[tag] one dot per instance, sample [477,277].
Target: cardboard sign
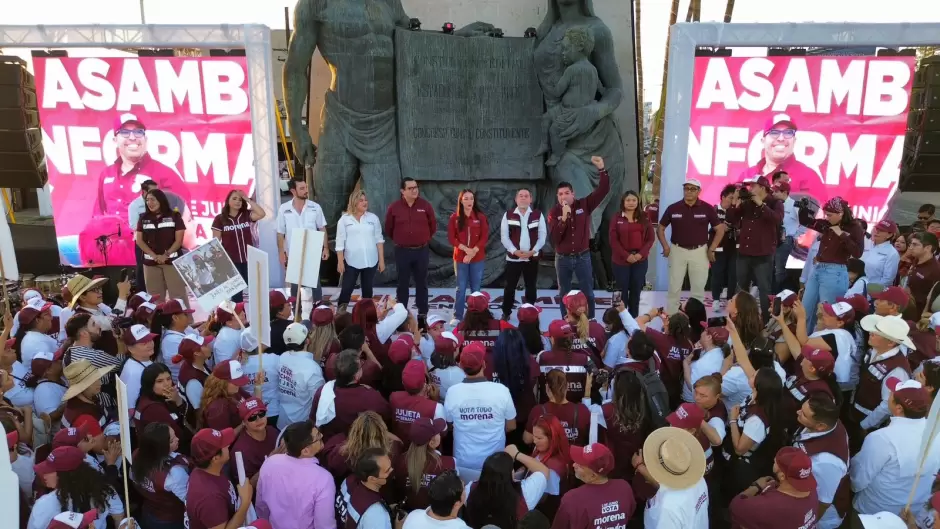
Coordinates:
[304,257]
[209,273]
[258,309]
[124,419]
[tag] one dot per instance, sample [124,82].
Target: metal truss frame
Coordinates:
[686,37]
[254,38]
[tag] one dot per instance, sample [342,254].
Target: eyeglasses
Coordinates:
[689,189]
[137,133]
[258,416]
[786,133]
[411,188]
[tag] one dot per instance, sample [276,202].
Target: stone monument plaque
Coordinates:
[469,108]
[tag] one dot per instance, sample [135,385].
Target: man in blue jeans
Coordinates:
[569,224]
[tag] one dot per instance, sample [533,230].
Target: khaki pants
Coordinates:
[695,262]
[161,278]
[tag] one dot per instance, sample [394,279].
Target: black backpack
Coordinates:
[657,398]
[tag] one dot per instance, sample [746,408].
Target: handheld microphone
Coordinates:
[119,230]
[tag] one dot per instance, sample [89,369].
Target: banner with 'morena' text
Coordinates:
[111,124]
[834,124]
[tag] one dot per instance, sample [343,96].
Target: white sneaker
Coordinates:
[716,306]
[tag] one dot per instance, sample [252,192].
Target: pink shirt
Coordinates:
[296,494]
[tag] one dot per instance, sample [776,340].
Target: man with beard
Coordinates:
[299,213]
[779,142]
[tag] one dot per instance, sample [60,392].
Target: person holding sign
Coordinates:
[360,247]
[160,234]
[233,228]
[299,213]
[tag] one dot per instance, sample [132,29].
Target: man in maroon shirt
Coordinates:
[211,500]
[569,225]
[350,398]
[410,223]
[778,143]
[786,500]
[925,271]
[690,250]
[759,217]
[602,502]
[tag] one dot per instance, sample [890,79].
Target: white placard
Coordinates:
[209,273]
[258,310]
[240,467]
[123,407]
[9,485]
[10,270]
[310,261]
[592,435]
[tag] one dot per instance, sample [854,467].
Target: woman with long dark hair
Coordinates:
[550,447]
[530,327]
[576,365]
[496,498]
[516,369]
[480,325]
[698,317]
[160,233]
[631,238]
[468,232]
[160,402]
[673,346]
[757,431]
[574,416]
[75,486]
[161,476]
[379,324]
[627,422]
[233,228]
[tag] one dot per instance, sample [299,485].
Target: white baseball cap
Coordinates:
[693,182]
[295,334]
[247,341]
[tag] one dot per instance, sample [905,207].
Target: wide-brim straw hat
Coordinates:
[891,328]
[81,375]
[80,284]
[674,458]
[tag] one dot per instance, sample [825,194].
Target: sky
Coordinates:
[655,17]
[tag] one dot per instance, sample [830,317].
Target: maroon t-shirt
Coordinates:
[419,499]
[920,279]
[605,506]
[623,443]
[672,353]
[574,417]
[371,373]
[159,232]
[211,500]
[774,510]
[690,224]
[234,233]
[75,408]
[573,364]
[222,414]
[253,451]
[410,226]
[408,408]
[594,345]
[350,402]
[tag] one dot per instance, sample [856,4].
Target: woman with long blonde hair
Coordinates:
[322,340]
[360,247]
[367,431]
[422,462]
[590,336]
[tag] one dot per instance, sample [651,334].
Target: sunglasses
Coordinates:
[127,133]
[258,416]
[786,133]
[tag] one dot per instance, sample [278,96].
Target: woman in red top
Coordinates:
[627,422]
[631,238]
[481,326]
[551,449]
[221,397]
[233,228]
[468,231]
[160,233]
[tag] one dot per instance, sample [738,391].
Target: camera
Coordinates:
[802,203]
[745,194]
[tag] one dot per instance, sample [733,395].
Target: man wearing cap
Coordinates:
[601,502]
[339,402]
[180,318]
[883,472]
[294,491]
[824,439]
[786,499]
[673,460]
[256,441]
[281,316]
[779,142]
[690,417]
[925,272]
[299,377]
[759,216]
[481,413]
[882,362]
[268,392]
[414,401]
[211,500]
[304,214]
[882,259]
[523,234]
[139,342]
[690,250]
[225,347]
[569,224]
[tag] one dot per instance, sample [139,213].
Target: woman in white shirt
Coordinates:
[139,342]
[360,247]
[75,486]
[497,498]
[172,322]
[619,325]
[704,361]
[19,395]
[32,335]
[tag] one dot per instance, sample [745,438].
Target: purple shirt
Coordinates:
[296,494]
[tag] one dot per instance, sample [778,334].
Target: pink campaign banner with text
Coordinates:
[110,124]
[849,116]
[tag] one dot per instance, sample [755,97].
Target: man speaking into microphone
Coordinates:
[570,228]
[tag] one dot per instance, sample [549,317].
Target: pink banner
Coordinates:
[848,115]
[110,124]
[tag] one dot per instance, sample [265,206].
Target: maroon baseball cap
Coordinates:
[138,334]
[529,313]
[231,371]
[763,182]
[781,119]
[821,359]
[189,346]
[258,524]
[277,299]
[594,456]
[575,300]
[472,356]
[141,297]
[70,436]
[687,416]
[61,459]
[223,316]
[414,375]
[909,393]
[446,344]
[209,442]
[249,407]
[423,429]
[896,295]
[478,302]
[719,335]
[797,467]
[74,520]
[321,315]
[887,226]
[859,304]
[175,306]
[560,329]
[787,297]
[400,350]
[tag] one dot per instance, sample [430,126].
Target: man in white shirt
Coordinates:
[883,472]
[481,413]
[523,233]
[826,442]
[299,377]
[674,459]
[304,214]
[882,259]
[446,496]
[226,344]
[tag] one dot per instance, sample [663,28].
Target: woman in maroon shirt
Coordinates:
[415,469]
[590,336]
[627,423]
[221,397]
[672,347]
[467,231]
[160,233]
[81,398]
[256,441]
[481,326]
[551,449]
[233,228]
[160,402]
[155,458]
[574,417]
[631,238]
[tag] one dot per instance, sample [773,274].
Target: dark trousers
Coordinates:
[529,271]
[578,265]
[631,279]
[758,269]
[413,262]
[781,279]
[724,273]
[349,282]
[139,274]
[243,271]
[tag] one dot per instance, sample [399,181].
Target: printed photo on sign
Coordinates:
[111,124]
[209,273]
[835,125]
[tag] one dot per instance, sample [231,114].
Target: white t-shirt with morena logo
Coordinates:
[478,411]
[678,509]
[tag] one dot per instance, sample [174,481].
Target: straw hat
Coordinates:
[674,458]
[892,328]
[81,375]
[80,284]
